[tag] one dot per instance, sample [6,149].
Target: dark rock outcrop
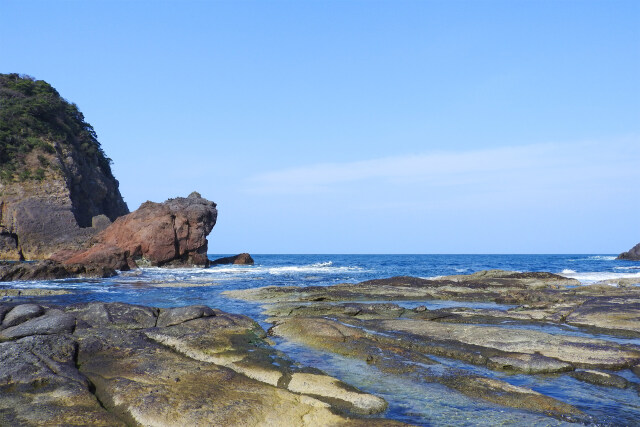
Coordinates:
[114,364]
[173,233]
[47,270]
[54,177]
[632,254]
[240,259]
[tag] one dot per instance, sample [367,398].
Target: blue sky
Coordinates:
[360,126]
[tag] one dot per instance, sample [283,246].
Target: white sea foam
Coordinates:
[636,267]
[567,271]
[220,272]
[587,278]
[602,257]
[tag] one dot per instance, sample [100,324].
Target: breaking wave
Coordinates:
[588,278]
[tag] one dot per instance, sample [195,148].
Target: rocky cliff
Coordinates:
[632,254]
[56,185]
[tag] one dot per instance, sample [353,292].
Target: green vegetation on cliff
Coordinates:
[34,117]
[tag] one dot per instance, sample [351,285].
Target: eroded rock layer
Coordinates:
[112,364]
[547,329]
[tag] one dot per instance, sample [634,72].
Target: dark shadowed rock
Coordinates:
[600,378]
[20,314]
[632,254]
[173,233]
[60,179]
[240,259]
[403,356]
[46,270]
[52,322]
[175,316]
[41,385]
[482,286]
[114,315]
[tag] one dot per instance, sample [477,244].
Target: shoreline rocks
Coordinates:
[121,364]
[545,331]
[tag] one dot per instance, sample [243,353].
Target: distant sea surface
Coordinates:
[146,286]
[420,404]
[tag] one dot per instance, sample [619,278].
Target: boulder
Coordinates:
[21,313]
[632,254]
[173,233]
[600,378]
[52,322]
[240,259]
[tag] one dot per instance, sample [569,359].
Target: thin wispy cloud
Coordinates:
[528,166]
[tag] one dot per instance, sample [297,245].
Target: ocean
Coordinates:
[420,404]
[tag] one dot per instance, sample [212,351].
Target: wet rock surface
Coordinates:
[47,270]
[551,328]
[113,364]
[489,285]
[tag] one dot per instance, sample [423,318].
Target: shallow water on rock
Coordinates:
[417,403]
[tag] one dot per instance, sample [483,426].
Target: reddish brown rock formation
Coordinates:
[241,259]
[173,233]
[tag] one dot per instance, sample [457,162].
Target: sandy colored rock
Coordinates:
[119,364]
[329,387]
[395,355]
[32,292]
[578,351]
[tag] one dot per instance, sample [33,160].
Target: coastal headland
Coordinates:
[111,363]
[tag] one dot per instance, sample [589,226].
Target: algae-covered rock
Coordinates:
[397,355]
[601,378]
[112,364]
